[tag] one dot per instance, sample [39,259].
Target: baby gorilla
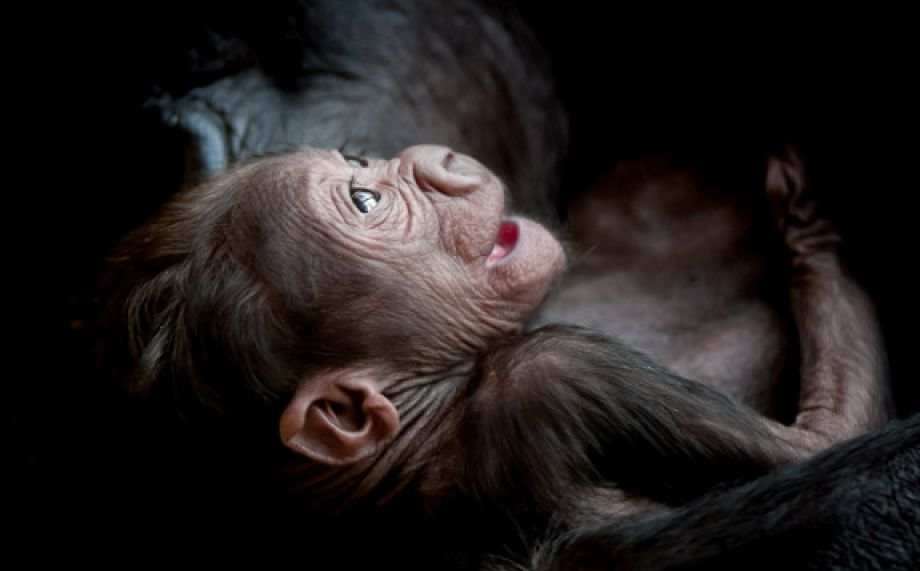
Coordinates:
[378,309]
[420,270]
[362,283]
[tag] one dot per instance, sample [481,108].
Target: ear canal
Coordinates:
[349,415]
[338,420]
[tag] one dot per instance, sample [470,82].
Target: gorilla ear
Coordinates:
[339,417]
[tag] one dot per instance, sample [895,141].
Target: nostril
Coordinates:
[442,170]
[460,166]
[447,161]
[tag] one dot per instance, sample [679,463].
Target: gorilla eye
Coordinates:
[366,200]
[357,162]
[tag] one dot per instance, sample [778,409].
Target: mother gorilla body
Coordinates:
[373,312]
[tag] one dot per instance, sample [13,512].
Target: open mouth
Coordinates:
[505,241]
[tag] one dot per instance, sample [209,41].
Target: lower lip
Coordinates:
[507,239]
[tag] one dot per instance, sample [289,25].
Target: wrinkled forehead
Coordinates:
[298,180]
[315,157]
[276,220]
[275,185]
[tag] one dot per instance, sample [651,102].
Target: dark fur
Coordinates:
[587,411]
[374,78]
[856,506]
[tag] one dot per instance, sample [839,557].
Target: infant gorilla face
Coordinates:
[430,227]
[427,270]
[338,277]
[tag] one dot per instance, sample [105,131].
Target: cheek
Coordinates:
[468,224]
[467,239]
[406,225]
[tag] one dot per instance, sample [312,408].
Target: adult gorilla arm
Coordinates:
[855,506]
[602,406]
[844,385]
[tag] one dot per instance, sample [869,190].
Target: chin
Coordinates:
[526,261]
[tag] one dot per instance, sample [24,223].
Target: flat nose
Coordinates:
[439,169]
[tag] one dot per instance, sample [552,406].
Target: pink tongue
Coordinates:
[504,243]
